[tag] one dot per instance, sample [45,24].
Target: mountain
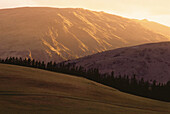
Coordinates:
[60,34]
[148,61]
[30,90]
[156,27]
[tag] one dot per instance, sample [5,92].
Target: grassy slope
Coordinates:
[37,91]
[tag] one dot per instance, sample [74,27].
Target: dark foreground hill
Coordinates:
[28,90]
[60,34]
[148,61]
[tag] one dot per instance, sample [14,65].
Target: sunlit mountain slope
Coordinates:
[156,27]
[61,34]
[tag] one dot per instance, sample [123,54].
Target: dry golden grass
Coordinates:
[28,90]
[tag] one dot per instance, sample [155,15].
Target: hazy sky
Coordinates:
[154,10]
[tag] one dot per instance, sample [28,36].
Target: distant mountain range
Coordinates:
[60,34]
[148,61]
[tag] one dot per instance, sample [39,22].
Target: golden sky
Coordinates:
[154,10]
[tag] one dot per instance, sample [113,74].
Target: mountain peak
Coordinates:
[146,20]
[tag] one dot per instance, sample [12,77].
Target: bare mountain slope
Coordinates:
[61,34]
[156,27]
[150,61]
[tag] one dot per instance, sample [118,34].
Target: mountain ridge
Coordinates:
[149,61]
[156,27]
[54,34]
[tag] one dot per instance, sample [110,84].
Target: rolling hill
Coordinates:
[29,90]
[54,34]
[148,61]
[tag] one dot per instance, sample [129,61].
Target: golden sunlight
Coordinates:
[154,10]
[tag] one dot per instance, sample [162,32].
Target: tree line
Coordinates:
[128,84]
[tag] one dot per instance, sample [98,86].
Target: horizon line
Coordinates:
[123,16]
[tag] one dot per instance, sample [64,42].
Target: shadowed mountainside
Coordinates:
[150,61]
[60,34]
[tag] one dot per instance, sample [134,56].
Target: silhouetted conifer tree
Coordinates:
[123,83]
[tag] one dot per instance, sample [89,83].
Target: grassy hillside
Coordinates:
[36,91]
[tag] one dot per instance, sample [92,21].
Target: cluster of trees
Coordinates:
[123,83]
